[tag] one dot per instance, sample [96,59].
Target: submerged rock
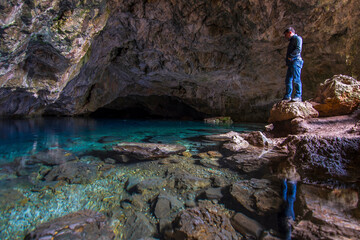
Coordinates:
[144,151]
[52,157]
[84,224]
[137,226]
[283,111]
[246,226]
[337,96]
[73,172]
[203,223]
[257,195]
[182,180]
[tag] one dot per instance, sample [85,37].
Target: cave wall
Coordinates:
[217,57]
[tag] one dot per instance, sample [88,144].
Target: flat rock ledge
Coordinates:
[144,151]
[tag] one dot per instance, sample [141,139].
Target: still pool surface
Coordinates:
[21,137]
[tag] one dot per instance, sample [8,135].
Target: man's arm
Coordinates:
[298,45]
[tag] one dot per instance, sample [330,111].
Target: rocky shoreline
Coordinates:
[232,190]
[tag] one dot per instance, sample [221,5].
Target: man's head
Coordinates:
[289,32]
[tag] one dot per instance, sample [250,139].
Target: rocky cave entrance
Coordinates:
[149,107]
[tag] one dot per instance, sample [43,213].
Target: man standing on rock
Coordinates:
[294,63]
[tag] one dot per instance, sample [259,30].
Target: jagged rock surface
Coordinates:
[338,95]
[171,58]
[284,110]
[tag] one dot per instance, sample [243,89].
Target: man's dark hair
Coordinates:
[289,29]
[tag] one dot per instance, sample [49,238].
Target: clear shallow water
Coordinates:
[27,200]
[22,137]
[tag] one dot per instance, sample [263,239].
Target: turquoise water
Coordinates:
[21,137]
[27,199]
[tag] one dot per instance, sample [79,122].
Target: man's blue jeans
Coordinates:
[293,75]
[288,194]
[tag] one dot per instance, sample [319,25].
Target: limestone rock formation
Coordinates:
[284,110]
[166,58]
[338,95]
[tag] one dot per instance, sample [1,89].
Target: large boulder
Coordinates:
[80,225]
[323,158]
[285,110]
[337,96]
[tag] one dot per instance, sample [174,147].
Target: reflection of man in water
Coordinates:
[289,178]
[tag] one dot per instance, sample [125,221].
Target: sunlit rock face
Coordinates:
[69,57]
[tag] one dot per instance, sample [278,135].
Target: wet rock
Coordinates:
[148,151]
[131,183]
[333,213]
[283,111]
[257,138]
[137,226]
[254,160]
[203,223]
[9,198]
[162,208]
[213,193]
[257,195]
[219,181]
[338,95]
[214,154]
[182,180]
[210,162]
[210,158]
[84,224]
[223,137]
[236,144]
[52,157]
[246,226]
[73,172]
[150,184]
[110,160]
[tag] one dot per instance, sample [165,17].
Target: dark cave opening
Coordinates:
[149,107]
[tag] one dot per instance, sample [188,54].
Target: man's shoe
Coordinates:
[297,99]
[286,99]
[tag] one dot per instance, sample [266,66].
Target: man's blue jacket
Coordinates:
[294,49]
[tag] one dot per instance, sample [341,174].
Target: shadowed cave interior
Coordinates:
[149,107]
